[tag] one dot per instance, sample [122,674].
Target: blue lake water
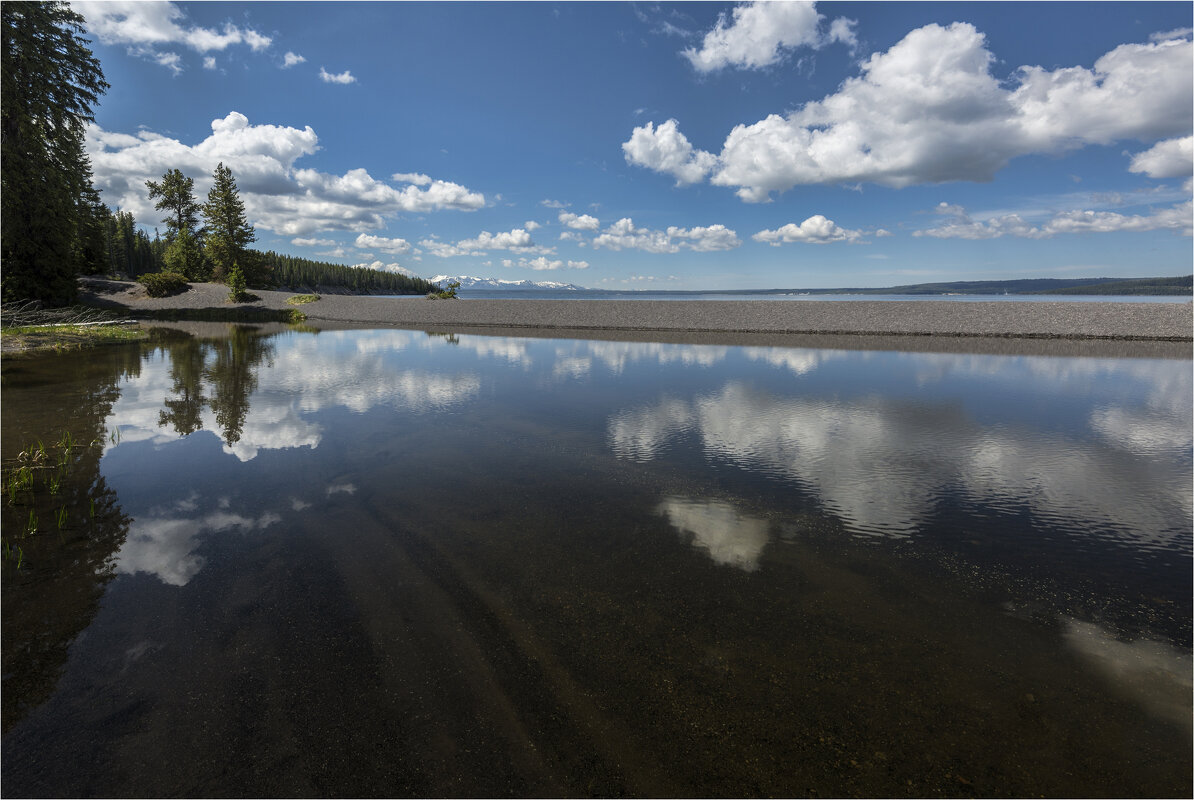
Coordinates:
[400,563]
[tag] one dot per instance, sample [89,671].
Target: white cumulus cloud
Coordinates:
[366,241]
[516,239]
[814,230]
[760,34]
[1172,158]
[961,225]
[146,27]
[579,222]
[277,195]
[665,149]
[341,77]
[624,235]
[543,263]
[1178,218]
[290,59]
[929,110]
[417,178]
[381,266]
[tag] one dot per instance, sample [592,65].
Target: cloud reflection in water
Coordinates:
[1154,674]
[726,535]
[337,369]
[164,546]
[881,464]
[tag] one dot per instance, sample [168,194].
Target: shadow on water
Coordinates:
[56,567]
[394,563]
[62,523]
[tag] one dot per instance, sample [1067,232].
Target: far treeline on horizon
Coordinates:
[962,146]
[1181,285]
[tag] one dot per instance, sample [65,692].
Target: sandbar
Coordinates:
[1028,320]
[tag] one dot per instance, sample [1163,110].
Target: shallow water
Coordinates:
[399,563]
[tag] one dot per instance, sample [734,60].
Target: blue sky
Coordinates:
[669,146]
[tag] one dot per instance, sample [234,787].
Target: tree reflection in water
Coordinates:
[426,566]
[220,373]
[63,568]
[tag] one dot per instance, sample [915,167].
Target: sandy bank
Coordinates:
[1035,320]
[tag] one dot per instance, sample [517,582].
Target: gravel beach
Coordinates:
[1036,320]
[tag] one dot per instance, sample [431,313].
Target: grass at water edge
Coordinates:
[57,338]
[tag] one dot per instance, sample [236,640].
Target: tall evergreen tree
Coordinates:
[184,256]
[122,243]
[49,82]
[175,195]
[228,232]
[90,247]
[128,250]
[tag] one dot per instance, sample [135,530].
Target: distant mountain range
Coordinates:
[469,282]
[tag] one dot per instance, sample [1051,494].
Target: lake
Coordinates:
[408,563]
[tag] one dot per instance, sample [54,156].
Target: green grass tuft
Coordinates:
[33,338]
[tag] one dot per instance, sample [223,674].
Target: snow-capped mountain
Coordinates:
[468,282]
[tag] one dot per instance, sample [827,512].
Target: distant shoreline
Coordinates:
[1006,319]
[1178,286]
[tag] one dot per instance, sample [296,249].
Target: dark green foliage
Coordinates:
[220,374]
[447,293]
[258,273]
[161,284]
[51,218]
[1135,286]
[301,274]
[184,411]
[232,375]
[237,286]
[128,250]
[1028,286]
[184,256]
[175,195]
[228,231]
[90,244]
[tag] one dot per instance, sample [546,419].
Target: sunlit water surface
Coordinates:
[399,563]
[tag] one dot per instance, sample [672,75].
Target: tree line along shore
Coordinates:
[56,228]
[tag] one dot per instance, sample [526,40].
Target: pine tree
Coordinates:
[49,82]
[144,257]
[184,257]
[229,233]
[90,247]
[158,249]
[122,244]
[175,195]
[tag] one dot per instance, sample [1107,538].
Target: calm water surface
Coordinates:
[399,563]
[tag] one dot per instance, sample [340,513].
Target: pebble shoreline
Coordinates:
[1034,320]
